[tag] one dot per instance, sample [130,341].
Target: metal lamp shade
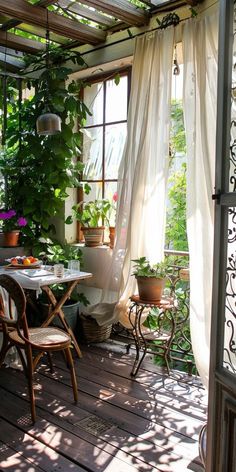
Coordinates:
[48,124]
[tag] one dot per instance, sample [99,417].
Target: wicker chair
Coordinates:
[17,333]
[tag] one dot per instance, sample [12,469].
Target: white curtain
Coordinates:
[140,225]
[200,99]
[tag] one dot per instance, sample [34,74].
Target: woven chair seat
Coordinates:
[43,336]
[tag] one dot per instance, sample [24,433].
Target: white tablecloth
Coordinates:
[35,283]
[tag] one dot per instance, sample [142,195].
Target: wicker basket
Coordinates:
[93,333]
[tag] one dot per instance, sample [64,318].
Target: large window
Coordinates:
[104,134]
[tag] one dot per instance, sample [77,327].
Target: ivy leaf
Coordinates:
[69,220]
[117,79]
[193,12]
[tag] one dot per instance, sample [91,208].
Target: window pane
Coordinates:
[95,192]
[115,136]
[116,100]
[92,153]
[93,99]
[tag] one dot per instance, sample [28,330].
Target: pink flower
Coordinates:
[22,221]
[115,197]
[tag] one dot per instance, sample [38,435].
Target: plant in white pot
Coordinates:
[151,279]
[91,216]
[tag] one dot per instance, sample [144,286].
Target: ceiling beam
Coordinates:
[87,13]
[121,9]
[35,15]
[20,44]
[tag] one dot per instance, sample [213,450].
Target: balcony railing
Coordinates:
[179,287]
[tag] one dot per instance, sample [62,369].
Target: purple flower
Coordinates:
[22,221]
[11,213]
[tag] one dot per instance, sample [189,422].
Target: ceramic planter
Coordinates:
[93,236]
[10,238]
[150,288]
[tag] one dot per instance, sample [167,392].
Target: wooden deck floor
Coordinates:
[119,424]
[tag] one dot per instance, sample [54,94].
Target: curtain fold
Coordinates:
[200,100]
[140,225]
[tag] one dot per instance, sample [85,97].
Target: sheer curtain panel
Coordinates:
[200,99]
[140,225]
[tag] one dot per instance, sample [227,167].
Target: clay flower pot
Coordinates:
[150,288]
[10,238]
[93,236]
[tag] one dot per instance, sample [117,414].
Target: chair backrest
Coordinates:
[12,304]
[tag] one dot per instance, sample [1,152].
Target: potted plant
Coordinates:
[91,216]
[151,279]
[11,225]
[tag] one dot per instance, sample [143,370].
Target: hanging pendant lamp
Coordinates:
[48,123]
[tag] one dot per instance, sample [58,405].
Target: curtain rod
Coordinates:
[132,36]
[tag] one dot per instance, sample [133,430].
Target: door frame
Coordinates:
[221,383]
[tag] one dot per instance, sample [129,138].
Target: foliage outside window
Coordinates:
[176,232]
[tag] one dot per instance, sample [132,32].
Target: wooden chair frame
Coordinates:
[17,333]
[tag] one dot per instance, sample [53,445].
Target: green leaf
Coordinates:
[117,79]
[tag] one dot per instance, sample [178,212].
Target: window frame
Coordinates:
[104,79]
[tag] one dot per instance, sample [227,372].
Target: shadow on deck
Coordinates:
[120,424]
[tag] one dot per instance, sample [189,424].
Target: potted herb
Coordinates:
[91,216]
[151,279]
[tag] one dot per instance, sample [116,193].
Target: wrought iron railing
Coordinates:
[179,287]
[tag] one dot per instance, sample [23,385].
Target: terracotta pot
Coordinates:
[10,238]
[93,236]
[112,230]
[150,288]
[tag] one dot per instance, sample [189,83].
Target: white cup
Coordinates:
[74,266]
[58,270]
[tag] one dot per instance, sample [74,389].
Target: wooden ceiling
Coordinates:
[71,23]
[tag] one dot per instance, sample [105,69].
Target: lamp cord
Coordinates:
[47,63]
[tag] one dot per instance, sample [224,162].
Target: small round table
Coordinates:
[144,338]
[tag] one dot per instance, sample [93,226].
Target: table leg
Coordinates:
[57,310]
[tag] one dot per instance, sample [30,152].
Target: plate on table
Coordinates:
[18,263]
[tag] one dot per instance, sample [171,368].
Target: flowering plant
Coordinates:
[10,221]
[111,216]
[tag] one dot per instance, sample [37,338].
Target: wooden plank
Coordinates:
[19,43]
[23,11]
[110,441]
[149,373]
[13,461]
[86,13]
[41,32]
[121,9]
[167,393]
[32,451]
[81,452]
